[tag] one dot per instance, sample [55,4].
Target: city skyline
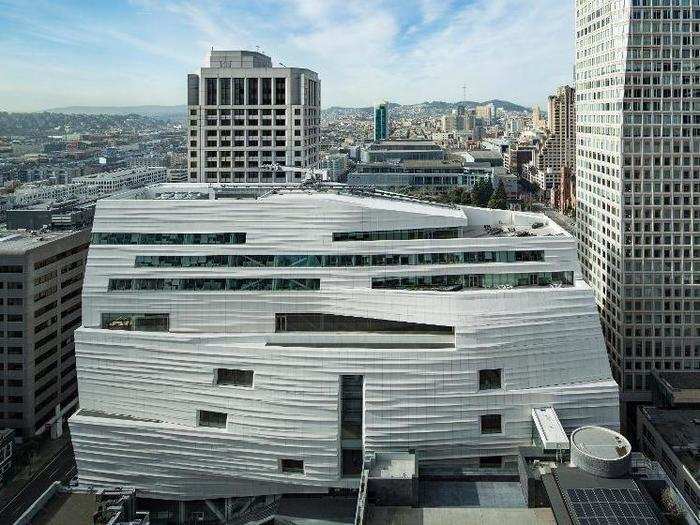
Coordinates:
[364,52]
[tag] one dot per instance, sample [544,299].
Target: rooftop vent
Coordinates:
[600,451]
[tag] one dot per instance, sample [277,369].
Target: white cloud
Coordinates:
[364,50]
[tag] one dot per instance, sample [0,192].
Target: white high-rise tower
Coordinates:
[638,182]
[245,115]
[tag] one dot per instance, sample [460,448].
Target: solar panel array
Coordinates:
[610,507]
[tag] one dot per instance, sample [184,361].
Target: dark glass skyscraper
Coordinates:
[381,121]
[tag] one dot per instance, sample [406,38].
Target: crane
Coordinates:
[311,174]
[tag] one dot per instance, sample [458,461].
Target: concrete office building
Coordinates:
[41,279]
[381,121]
[88,187]
[238,346]
[558,148]
[401,150]
[245,114]
[410,173]
[638,183]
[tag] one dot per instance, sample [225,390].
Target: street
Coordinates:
[60,468]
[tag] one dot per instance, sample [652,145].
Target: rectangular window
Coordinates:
[280,84]
[235,377]
[212,419]
[168,238]
[225,91]
[491,462]
[211,91]
[292,466]
[215,285]
[252,91]
[313,322]
[491,424]
[138,322]
[238,92]
[267,91]
[490,379]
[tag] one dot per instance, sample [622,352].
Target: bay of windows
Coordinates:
[335,261]
[455,283]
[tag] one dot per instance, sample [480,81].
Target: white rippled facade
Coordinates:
[141,392]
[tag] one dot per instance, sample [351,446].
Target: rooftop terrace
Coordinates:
[478,222]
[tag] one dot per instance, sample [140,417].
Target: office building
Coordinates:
[41,280]
[88,187]
[558,148]
[381,121]
[409,173]
[401,150]
[671,437]
[245,114]
[638,183]
[486,113]
[239,346]
[517,156]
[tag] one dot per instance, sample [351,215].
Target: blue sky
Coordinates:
[113,52]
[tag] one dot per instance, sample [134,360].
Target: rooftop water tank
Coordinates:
[600,451]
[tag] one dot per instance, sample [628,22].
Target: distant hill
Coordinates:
[436,107]
[146,111]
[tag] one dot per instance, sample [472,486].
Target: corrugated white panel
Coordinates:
[547,341]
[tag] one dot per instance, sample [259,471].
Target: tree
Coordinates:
[499,198]
[481,193]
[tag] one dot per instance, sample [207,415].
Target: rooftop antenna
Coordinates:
[281,64]
[257,48]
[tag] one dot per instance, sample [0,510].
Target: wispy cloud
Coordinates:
[364,50]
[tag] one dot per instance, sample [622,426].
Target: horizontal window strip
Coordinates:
[400,235]
[334,261]
[455,283]
[213,285]
[169,238]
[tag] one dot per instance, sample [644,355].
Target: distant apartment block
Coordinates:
[558,149]
[245,114]
[88,187]
[41,282]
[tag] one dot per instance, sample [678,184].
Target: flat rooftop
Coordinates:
[17,242]
[478,222]
[680,429]
[447,502]
[67,509]
[681,380]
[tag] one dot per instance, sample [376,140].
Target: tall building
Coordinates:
[241,346]
[41,280]
[558,148]
[638,182]
[537,120]
[245,114]
[381,121]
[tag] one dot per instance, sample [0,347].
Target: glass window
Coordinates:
[292,466]
[252,91]
[235,377]
[491,424]
[266,91]
[490,379]
[212,419]
[211,91]
[225,91]
[280,90]
[238,92]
